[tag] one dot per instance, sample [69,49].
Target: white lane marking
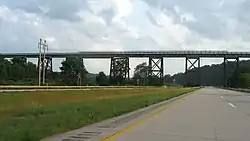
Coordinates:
[232,105]
[221,97]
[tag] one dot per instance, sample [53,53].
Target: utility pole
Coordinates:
[79,79]
[39,61]
[42,63]
[45,47]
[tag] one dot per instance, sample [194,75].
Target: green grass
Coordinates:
[32,123]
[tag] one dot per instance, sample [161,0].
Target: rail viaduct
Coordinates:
[119,66]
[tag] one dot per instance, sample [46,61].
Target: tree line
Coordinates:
[18,71]
[214,75]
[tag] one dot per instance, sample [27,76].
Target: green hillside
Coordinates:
[213,75]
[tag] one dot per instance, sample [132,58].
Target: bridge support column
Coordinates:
[193,65]
[156,74]
[119,70]
[225,72]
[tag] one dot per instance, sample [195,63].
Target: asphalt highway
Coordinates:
[210,114]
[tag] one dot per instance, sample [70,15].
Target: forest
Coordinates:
[213,75]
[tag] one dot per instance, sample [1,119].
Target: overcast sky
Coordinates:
[123,25]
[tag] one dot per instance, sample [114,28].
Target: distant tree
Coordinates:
[141,74]
[212,75]
[101,79]
[155,81]
[73,71]
[17,71]
[4,70]
[22,61]
[240,78]
[54,78]
[31,70]
[168,78]
[17,68]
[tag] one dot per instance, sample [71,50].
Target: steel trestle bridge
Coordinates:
[119,67]
[110,54]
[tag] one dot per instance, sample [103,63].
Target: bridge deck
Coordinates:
[106,54]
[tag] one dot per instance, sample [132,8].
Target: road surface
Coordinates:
[209,114]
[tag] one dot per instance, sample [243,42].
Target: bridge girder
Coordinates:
[106,54]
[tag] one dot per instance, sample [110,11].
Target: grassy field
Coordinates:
[31,116]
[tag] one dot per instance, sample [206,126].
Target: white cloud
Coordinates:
[222,2]
[7,15]
[108,25]
[50,39]
[124,8]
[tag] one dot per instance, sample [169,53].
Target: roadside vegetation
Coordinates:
[240,78]
[31,116]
